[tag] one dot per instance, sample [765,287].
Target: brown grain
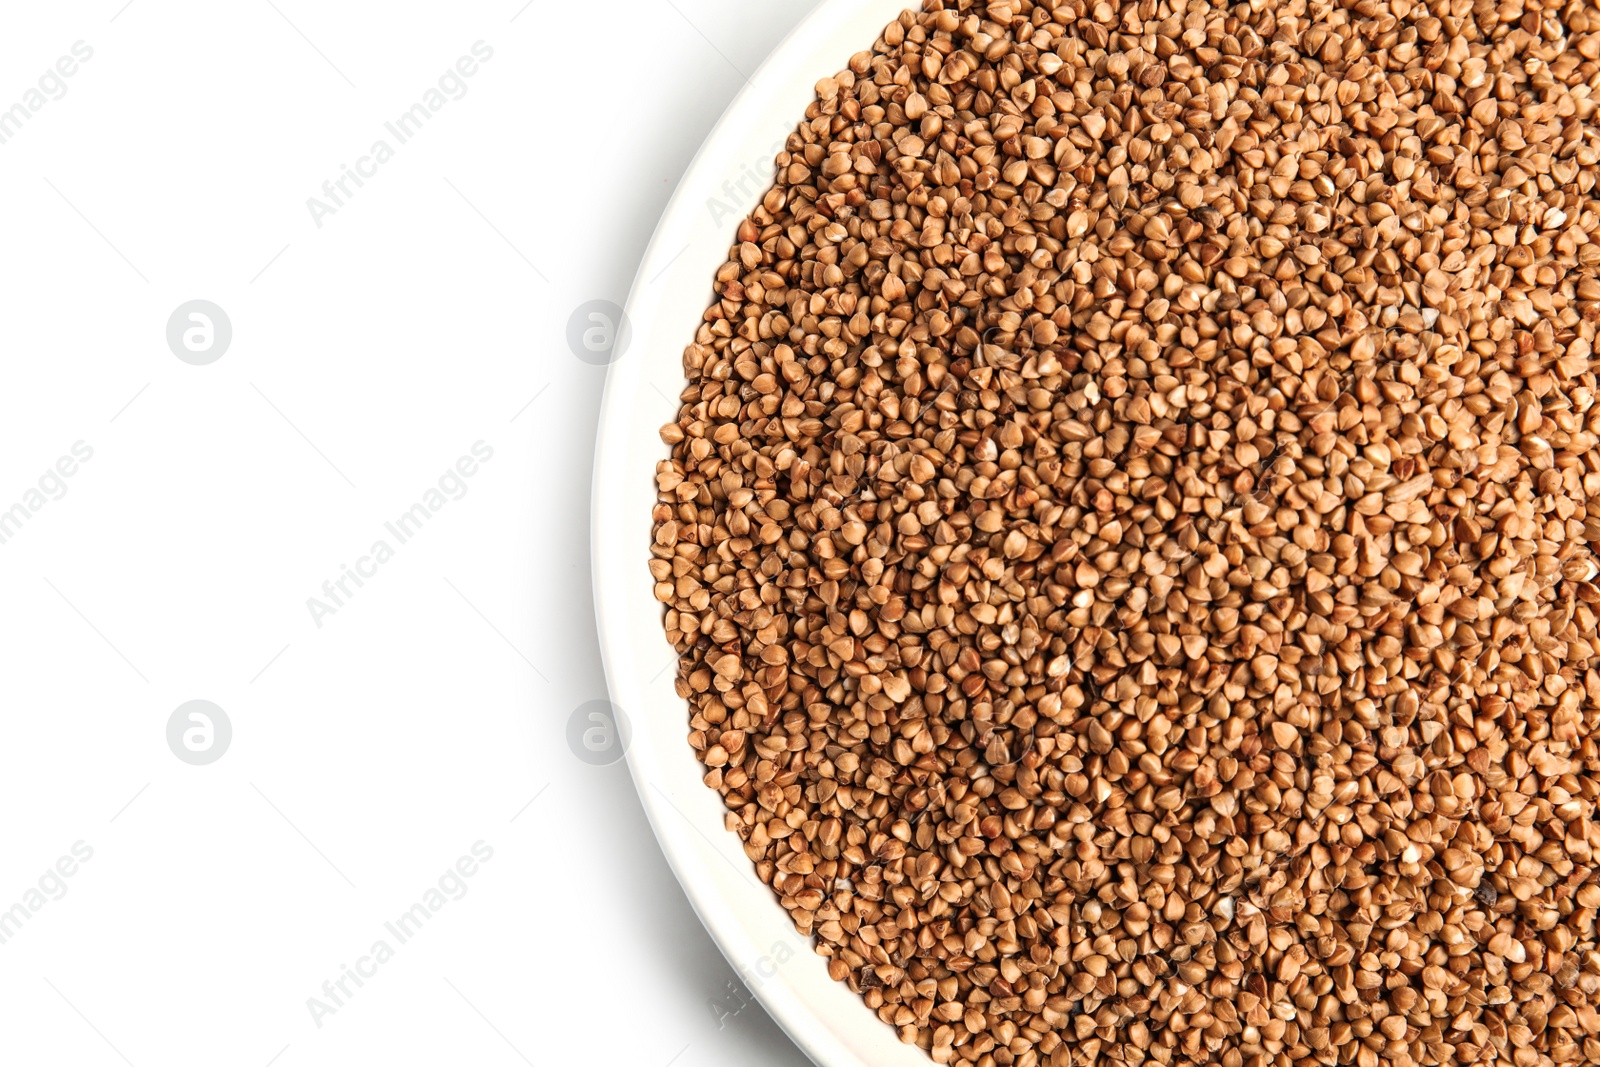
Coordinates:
[1127,537]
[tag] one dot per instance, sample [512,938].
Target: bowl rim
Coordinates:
[826,1021]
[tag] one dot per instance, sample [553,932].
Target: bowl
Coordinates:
[731,171]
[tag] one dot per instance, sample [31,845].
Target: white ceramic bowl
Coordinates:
[671,291]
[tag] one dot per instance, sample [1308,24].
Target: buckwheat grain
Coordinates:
[1127,532]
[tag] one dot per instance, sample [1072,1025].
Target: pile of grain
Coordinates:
[1127,532]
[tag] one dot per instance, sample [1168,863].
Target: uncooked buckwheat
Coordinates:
[1127,532]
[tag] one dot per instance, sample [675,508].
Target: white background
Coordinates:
[430,711]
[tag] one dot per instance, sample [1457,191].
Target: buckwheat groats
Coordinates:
[1127,532]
